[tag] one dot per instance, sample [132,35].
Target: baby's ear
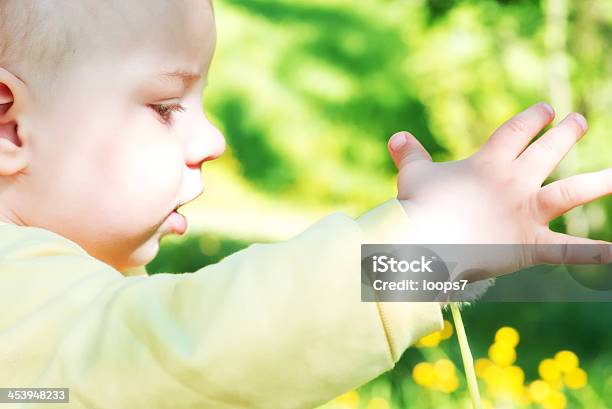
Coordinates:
[13,100]
[5,95]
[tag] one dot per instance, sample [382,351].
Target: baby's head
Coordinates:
[102,132]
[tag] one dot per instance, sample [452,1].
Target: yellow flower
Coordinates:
[539,390]
[444,368]
[446,376]
[378,403]
[481,365]
[549,370]
[447,331]
[424,374]
[555,400]
[566,360]
[507,335]
[349,399]
[495,381]
[576,378]
[433,339]
[493,374]
[516,390]
[430,340]
[503,382]
[555,383]
[441,375]
[514,375]
[523,398]
[449,384]
[502,354]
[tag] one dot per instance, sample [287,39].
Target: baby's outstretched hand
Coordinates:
[496,195]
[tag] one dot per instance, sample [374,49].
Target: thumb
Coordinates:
[405,148]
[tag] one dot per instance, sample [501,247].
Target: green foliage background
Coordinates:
[308,92]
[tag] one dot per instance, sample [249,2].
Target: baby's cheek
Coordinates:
[135,169]
[150,182]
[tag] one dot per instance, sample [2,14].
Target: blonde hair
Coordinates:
[31,40]
[40,39]
[36,43]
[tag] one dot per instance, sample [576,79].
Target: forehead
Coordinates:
[182,29]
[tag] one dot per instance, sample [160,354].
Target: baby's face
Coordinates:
[121,145]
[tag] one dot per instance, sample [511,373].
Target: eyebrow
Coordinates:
[185,76]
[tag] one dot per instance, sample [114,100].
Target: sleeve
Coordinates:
[272,326]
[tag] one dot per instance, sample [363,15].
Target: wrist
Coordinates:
[386,223]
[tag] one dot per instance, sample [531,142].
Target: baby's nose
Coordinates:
[208,145]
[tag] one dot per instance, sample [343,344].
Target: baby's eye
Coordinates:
[165,111]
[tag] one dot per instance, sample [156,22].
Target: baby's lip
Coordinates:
[182,203]
[177,223]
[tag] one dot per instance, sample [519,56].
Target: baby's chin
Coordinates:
[126,246]
[131,251]
[140,256]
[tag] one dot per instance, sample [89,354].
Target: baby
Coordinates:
[102,137]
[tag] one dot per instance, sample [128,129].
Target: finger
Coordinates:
[560,248]
[561,196]
[542,156]
[510,139]
[405,148]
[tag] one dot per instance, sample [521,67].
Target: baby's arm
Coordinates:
[273,326]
